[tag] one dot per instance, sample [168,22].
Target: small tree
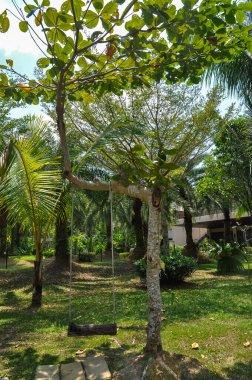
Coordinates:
[29,191]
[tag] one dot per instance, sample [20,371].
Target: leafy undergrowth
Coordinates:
[213,311]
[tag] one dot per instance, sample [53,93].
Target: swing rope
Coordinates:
[71,264]
[110,329]
[112,250]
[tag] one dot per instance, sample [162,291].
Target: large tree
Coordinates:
[156,40]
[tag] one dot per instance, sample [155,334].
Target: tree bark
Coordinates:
[37,282]
[140,248]
[191,247]
[227,226]
[61,242]
[154,344]
[165,248]
[3,232]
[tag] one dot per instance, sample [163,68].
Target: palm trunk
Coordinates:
[15,239]
[37,281]
[191,247]
[140,248]
[154,344]
[3,232]
[61,242]
[227,226]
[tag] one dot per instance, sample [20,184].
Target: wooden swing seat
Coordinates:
[75,329]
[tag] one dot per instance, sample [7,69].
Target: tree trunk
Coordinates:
[61,242]
[154,344]
[191,247]
[227,226]
[15,239]
[140,248]
[3,232]
[165,247]
[37,282]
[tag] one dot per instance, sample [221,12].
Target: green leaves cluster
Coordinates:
[85,52]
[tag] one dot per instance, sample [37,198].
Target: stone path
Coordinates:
[91,368]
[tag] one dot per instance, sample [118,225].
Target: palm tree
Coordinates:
[29,190]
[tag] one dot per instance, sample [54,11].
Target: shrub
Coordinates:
[86,257]
[175,268]
[124,255]
[229,257]
[49,252]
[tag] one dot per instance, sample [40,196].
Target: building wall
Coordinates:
[179,234]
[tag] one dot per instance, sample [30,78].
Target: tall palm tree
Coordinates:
[29,190]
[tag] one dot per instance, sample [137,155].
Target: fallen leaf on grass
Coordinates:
[246,344]
[195,346]
[79,352]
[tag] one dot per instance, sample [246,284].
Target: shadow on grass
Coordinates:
[240,371]
[23,364]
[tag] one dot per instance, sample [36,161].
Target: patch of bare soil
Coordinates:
[165,367]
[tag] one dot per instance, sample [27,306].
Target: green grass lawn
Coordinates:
[213,311]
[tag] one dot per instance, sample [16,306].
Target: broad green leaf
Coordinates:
[23,26]
[247,7]
[4,22]
[109,9]
[45,3]
[189,3]
[135,23]
[66,6]
[29,7]
[98,4]
[240,16]
[82,62]
[3,79]
[138,149]
[92,19]
[50,17]
[87,97]
[249,46]
[42,63]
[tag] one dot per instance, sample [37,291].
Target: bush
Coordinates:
[49,252]
[87,257]
[229,257]
[124,255]
[175,268]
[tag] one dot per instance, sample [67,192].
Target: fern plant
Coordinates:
[229,256]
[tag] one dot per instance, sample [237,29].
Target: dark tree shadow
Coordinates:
[240,371]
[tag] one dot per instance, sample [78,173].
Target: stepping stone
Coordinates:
[72,371]
[96,368]
[48,372]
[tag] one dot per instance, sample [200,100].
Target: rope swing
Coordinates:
[75,329]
